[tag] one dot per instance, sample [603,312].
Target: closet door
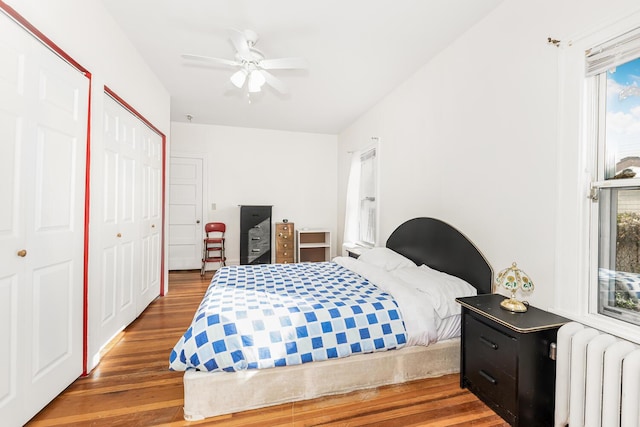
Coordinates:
[43,129]
[127,205]
[120,234]
[151,218]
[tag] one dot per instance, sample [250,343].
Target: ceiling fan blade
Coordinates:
[284,64]
[228,62]
[275,82]
[240,43]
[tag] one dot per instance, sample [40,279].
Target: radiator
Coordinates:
[597,379]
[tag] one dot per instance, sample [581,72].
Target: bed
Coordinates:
[396,356]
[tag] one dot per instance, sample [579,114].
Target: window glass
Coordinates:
[619,254]
[619,194]
[622,149]
[368,204]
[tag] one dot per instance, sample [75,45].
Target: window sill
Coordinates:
[606,324]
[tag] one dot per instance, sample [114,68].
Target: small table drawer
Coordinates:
[481,342]
[285,228]
[284,245]
[284,237]
[492,383]
[286,253]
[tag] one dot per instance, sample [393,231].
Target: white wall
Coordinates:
[293,171]
[471,138]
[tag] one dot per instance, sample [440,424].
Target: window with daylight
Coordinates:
[360,225]
[613,80]
[368,204]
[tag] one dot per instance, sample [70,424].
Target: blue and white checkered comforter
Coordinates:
[287,314]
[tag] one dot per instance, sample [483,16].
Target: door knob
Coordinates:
[22,253]
[119,235]
[198,222]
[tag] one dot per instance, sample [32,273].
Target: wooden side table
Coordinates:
[506,359]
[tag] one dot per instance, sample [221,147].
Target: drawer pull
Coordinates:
[255,238]
[489,343]
[487,377]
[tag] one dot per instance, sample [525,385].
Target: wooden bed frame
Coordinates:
[423,240]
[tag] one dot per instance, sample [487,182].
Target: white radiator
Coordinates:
[597,379]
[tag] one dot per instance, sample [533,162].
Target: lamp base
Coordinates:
[512,304]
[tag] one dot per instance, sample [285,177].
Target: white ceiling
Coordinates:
[357,50]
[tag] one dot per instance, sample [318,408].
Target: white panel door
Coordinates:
[43,129]
[186,228]
[126,261]
[120,231]
[149,287]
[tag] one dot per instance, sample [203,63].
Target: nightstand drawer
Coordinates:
[493,385]
[492,347]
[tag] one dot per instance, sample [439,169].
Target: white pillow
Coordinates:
[442,288]
[385,258]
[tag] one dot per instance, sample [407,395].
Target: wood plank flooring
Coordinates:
[132,386]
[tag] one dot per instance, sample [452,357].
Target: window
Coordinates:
[613,71]
[361,213]
[367,197]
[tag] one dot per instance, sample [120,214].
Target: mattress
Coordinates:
[208,394]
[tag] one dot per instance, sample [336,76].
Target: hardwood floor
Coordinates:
[132,386]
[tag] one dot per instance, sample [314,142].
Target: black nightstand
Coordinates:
[505,359]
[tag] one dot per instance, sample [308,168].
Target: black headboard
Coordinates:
[440,246]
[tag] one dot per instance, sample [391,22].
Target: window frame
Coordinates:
[602,187]
[574,295]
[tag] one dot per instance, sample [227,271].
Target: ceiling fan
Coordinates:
[251,63]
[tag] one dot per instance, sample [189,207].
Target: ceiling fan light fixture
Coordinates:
[256,81]
[238,78]
[252,67]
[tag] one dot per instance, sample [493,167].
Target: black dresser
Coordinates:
[255,234]
[507,359]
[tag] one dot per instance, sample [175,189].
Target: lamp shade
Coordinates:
[512,279]
[256,81]
[238,78]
